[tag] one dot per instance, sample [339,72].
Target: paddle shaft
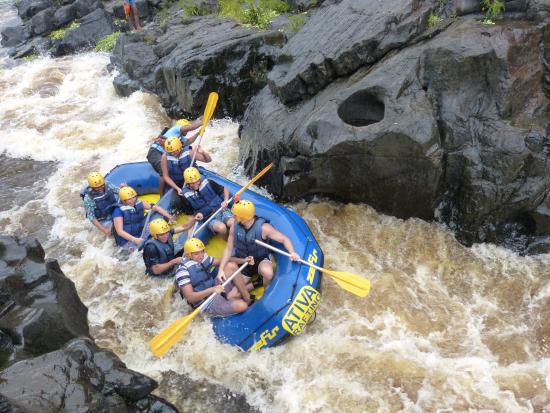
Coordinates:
[209,299]
[240,191]
[263,244]
[208,112]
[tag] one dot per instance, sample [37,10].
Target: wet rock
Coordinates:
[28,8]
[193,56]
[93,27]
[76,378]
[51,363]
[64,15]
[452,129]
[304,4]
[43,22]
[354,34]
[15,35]
[85,7]
[40,308]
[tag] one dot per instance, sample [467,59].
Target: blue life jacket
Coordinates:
[205,200]
[105,202]
[165,252]
[243,239]
[133,221]
[201,277]
[176,166]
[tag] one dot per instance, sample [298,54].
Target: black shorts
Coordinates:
[250,270]
[154,156]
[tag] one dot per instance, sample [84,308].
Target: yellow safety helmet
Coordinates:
[192,245]
[95,180]
[191,175]
[126,192]
[173,144]
[183,122]
[243,210]
[158,227]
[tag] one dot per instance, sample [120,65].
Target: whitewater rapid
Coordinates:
[445,328]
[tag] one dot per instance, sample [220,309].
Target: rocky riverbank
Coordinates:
[49,361]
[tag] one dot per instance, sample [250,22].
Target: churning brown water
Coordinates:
[445,328]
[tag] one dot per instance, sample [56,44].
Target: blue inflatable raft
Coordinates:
[290,301]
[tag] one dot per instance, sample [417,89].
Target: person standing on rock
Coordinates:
[132,14]
[182,127]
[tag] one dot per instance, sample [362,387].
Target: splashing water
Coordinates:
[445,328]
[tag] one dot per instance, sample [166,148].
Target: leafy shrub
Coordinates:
[296,21]
[60,34]
[434,20]
[256,13]
[492,8]
[107,43]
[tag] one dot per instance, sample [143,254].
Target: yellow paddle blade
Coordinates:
[168,295]
[209,110]
[164,341]
[350,282]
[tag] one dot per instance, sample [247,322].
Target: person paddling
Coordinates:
[196,279]
[160,253]
[205,197]
[129,218]
[182,127]
[176,159]
[242,236]
[100,199]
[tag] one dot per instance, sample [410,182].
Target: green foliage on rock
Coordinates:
[255,13]
[434,20]
[60,34]
[296,21]
[493,9]
[107,43]
[30,57]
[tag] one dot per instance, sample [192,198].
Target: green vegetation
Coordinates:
[107,43]
[493,10]
[255,13]
[30,57]
[163,15]
[60,34]
[148,39]
[296,21]
[434,20]
[190,8]
[119,24]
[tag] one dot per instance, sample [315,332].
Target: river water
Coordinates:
[445,328]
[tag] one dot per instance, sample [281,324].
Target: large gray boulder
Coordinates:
[28,8]
[43,22]
[15,35]
[453,129]
[79,377]
[39,308]
[194,57]
[355,33]
[93,27]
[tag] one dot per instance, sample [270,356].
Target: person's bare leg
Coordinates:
[265,269]
[136,17]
